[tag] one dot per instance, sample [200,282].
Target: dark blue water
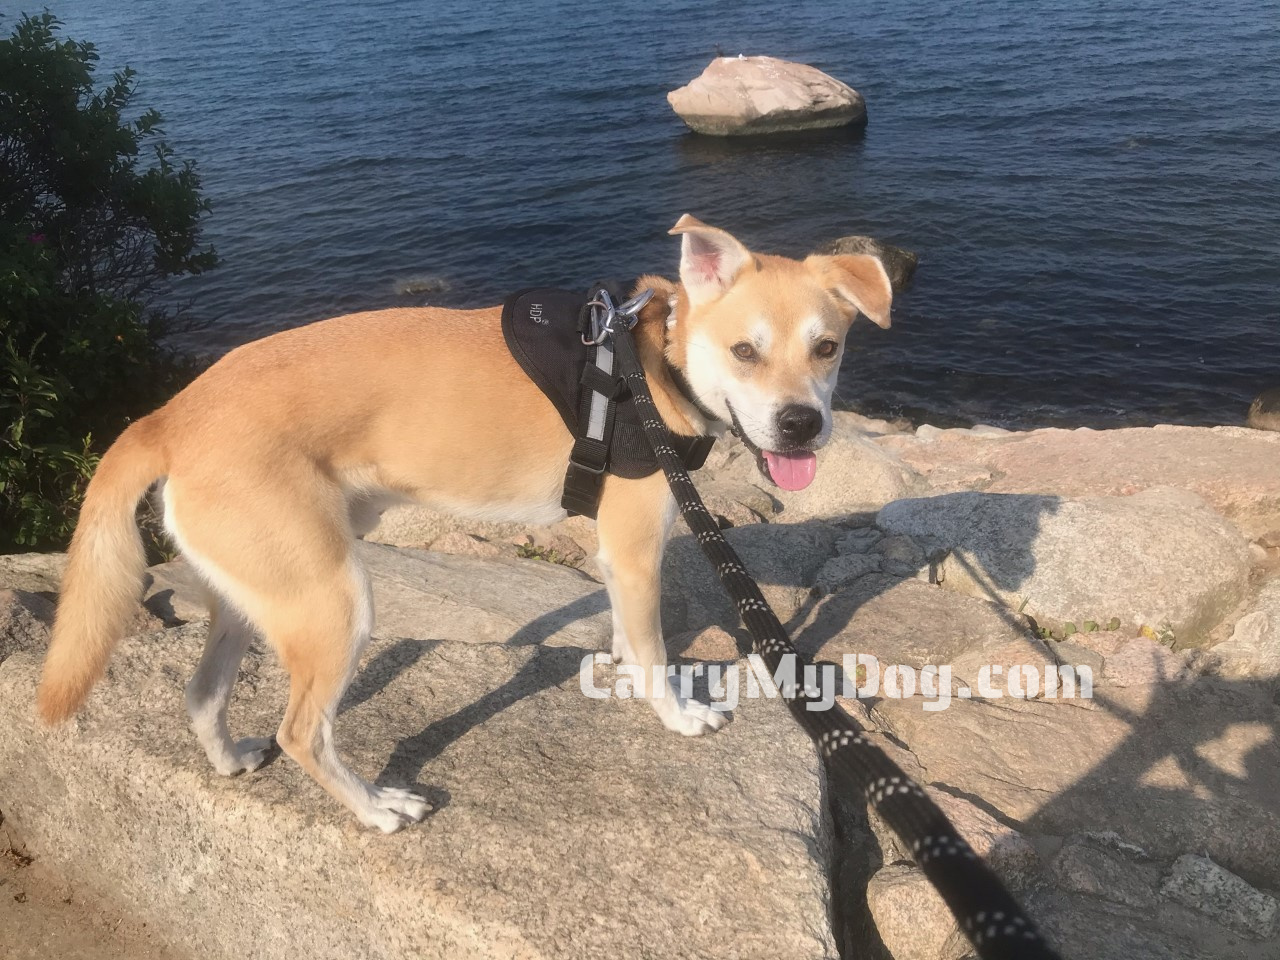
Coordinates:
[1093,188]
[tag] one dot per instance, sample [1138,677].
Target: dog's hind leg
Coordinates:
[320,640]
[634,519]
[276,542]
[209,692]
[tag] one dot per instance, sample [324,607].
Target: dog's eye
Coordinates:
[826,349]
[744,351]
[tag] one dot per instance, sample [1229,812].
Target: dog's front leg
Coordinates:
[633,523]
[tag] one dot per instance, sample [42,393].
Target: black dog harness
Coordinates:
[551,334]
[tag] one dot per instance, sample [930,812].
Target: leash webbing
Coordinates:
[985,910]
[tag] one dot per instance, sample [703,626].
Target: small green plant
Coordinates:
[531,551]
[1069,629]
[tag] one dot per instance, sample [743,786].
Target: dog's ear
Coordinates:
[709,259]
[858,280]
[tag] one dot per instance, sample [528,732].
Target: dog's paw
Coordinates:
[392,808]
[688,718]
[245,756]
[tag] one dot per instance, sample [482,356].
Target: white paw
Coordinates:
[245,756]
[392,808]
[688,717]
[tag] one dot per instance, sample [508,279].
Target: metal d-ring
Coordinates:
[628,312]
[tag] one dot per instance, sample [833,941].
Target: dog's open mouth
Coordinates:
[790,469]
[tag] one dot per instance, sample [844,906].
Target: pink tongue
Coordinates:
[792,471]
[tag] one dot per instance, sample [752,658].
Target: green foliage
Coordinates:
[96,215]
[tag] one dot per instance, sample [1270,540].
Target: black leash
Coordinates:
[985,910]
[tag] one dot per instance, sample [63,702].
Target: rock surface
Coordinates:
[425,595]
[1235,469]
[1201,884]
[1171,768]
[565,826]
[25,620]
[1253,649]
[32,572]
[757,95]
[784,558]
[1161,558]
[910,916]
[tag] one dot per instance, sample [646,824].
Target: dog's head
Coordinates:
[759,339]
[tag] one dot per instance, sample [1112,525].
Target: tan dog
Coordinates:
[280,454]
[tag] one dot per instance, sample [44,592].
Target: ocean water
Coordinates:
[1093,188]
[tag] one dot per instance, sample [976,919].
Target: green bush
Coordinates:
[96,215]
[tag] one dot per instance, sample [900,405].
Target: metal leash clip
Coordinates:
[604,314]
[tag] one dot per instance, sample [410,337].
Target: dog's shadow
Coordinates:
[548,667]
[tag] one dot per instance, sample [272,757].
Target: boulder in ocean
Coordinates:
[899,264]
[755,95]
[1264,412]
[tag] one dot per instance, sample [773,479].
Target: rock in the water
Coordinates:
[900,264]
[754,95]
[1201,884]
[1162,558]
[565,827]
[1264,412]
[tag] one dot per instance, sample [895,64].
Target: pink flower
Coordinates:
[35,238]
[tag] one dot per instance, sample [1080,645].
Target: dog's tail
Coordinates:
[105,566]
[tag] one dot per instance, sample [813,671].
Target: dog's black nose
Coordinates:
[799,424]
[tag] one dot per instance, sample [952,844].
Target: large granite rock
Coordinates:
[1235,469]
[1161,558]
[565,826]
[755,95]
